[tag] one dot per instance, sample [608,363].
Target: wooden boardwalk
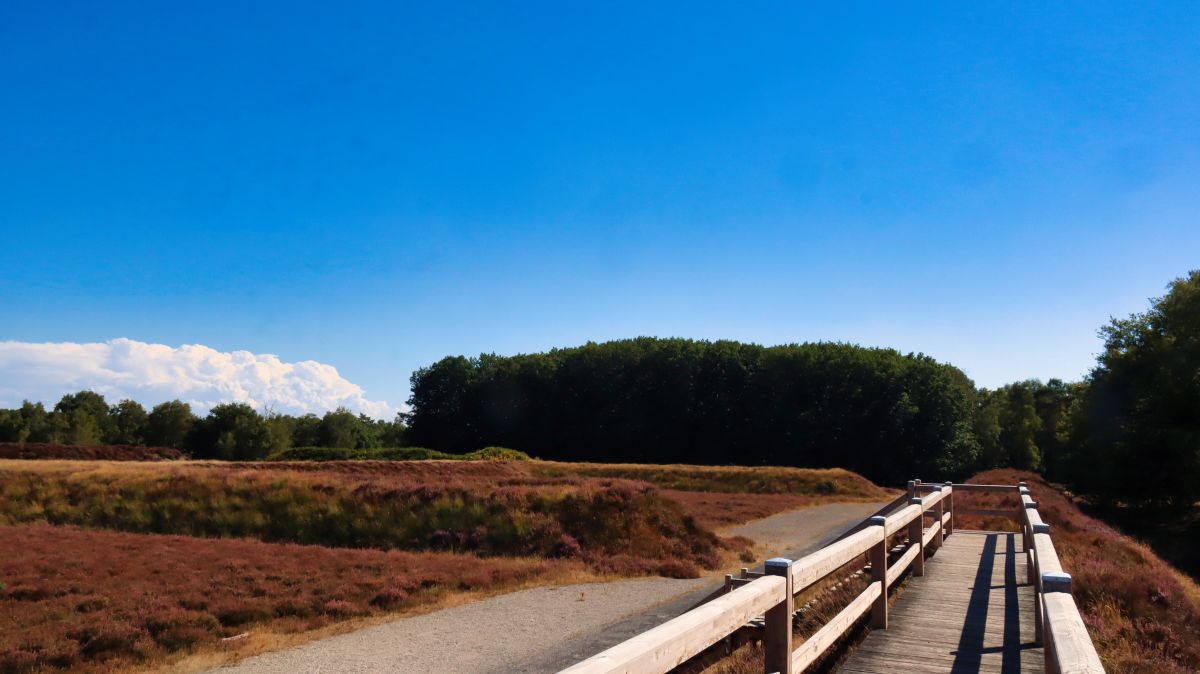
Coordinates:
[972,611]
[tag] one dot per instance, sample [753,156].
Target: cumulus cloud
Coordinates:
[193,373]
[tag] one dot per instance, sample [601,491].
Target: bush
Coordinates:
[394,454]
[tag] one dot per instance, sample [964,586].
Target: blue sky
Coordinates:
[374,186]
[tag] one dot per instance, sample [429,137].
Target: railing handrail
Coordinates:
[1067,645]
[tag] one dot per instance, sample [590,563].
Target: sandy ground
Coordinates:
[542,629]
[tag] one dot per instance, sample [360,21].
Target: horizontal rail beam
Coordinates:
[985,487]
[896,570]
[986,512]
[898,521]
[667,646]
[814,567]
[930,533]
[818,643]
[1068,636]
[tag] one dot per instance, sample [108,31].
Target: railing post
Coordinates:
[912,488]
[777,636]
[937,513]
[1052,582]
[916,536]
[878,559]
[949,486]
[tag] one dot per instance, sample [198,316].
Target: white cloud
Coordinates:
[193,373]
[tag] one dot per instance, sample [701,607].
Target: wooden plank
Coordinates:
[959,615]
[671,643]
[901,519]
[901,564]
[930,533]
[985,487]
[1073,649]
[1047,557]
[987,512]
[811,568]
[818,643]
[1032,517]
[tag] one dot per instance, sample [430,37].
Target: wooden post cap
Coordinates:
[777,566]
[1031,504]
[1021,483]
[1041,528]
[947,483]
[1023,490]
[916,501]
[1056,582]
[877,521]
[938,488]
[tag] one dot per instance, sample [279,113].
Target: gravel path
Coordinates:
[542,629]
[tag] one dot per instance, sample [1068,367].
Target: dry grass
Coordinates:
[105,601]
[831,483]
[1143,615]
[91,600]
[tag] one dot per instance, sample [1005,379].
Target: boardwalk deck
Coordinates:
[972,611]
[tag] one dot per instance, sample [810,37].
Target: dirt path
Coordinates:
[542,629]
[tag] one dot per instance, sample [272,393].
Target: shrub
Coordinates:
[44,450]
[394,454]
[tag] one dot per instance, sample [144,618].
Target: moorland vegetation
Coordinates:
[203,551]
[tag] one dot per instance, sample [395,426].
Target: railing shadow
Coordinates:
[968,657]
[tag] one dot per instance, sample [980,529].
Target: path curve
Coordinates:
[541,629]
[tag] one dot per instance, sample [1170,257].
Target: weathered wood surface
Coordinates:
[666,646]
[972,611]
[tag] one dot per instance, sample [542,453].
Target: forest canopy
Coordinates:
[884,414]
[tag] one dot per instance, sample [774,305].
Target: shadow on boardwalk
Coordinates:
[971,612]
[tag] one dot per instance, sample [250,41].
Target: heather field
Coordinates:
[137,564]
[101,600]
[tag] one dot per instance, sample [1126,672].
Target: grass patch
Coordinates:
[395,454]
[62,609]
[817,482]
[617,525]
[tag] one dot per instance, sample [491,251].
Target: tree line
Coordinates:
[231,431]
[1129,433]
[886,415]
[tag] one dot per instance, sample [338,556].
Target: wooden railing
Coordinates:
[924,517]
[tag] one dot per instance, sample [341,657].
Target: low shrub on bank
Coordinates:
[824,482]
[589,518]
[394,454]
[45,450]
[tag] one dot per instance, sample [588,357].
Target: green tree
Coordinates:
[986,427]
[340,428]
[306,431]
[169,424]
[82,428]
[128,423]
[231,431]
[393,433]
[1019,427]
[280,428]
[12,426]
[28,423]
[1138,428]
